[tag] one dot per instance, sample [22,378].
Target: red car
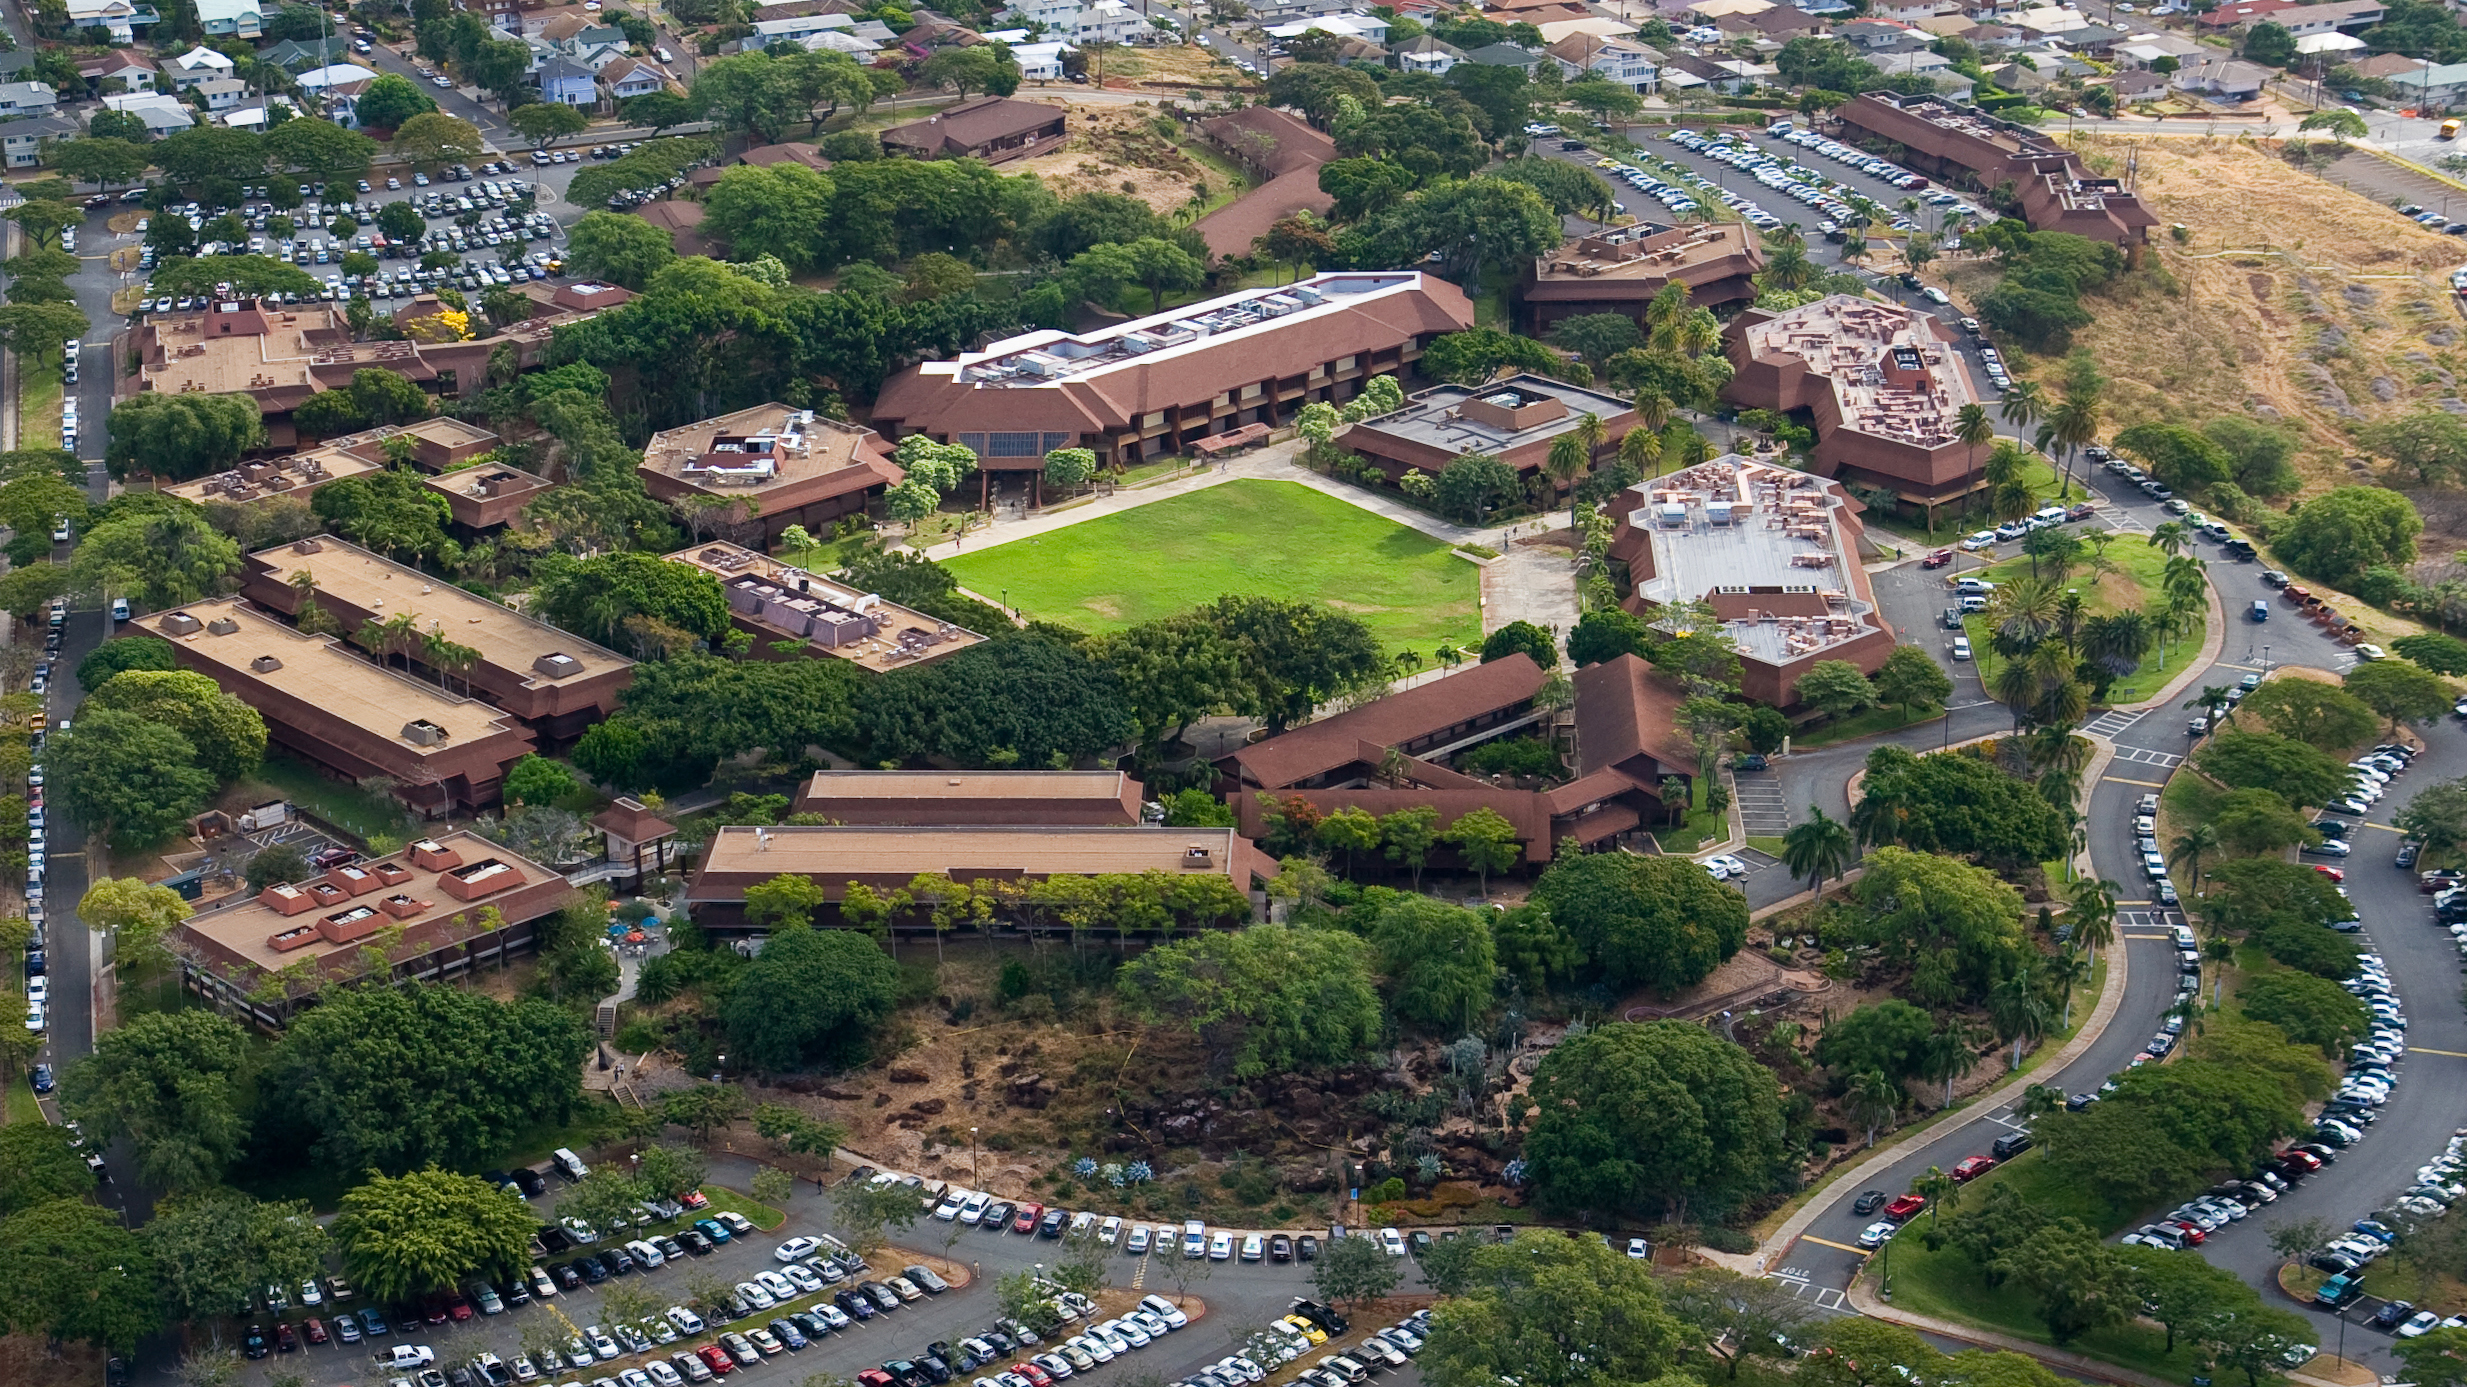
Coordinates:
[1938,559]
[315,1329]
[457,1306]
[1904,1208]
[1028,1215]
[2331,872]
[693,1199]
[1974,1167]
[717,1360]
[1036,1376]
[2191,1232]
[875,1377]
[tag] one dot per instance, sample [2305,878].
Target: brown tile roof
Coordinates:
[1319,747]
[1233,228]
[1269,140]
[683,223]
[810,458]
[1622,711]
[763,156]
[738,857]
[972,123]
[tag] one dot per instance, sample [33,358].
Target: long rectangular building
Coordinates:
[1154,386]
[439,891]
[346,714]
[772,601]
[1620,269]
[886,858]
[1957,144]
[972,797]
[554,681]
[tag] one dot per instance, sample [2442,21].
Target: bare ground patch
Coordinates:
[1121,149]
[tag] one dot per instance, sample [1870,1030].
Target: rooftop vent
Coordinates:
[265,664]
[307,546]
[557,665]
[422,732]
[180,624]
[1198,855]
[222,626]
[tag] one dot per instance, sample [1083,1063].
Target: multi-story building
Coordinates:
[789,467]
[1774,553]
[552,681]
[1881,381]
[488,496]
[772,601]
[1154,386]
[1956,144]
[348,715]
[459,901]
[1434,719]
[1621,269]
[1516,421]
[972,797]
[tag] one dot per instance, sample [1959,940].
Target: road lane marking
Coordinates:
[2428,1050]
[2141,902]
[2386,828]
[1828,1242]
[2120,780]
[2150,936]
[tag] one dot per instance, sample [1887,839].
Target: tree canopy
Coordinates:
[810,996]
[1662,1117]
[1267,999]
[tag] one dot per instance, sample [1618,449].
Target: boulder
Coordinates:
[902,1074]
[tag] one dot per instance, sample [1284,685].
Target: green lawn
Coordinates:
[1880,718]
[346,806]
[1270,539]
[1701,826]
[38,403]
[2135,583]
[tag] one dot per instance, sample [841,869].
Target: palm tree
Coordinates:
[1565,464]
[2066,971]
[1819,849]
[2016,687]
[2184,580]
[1666,307]
[1949,1055]
[1874,1099]
[1939,1190]
[1593,433]
[2169,537]
[2056,749]
[2094,914]
[2037,1101]
[1642,449]
[1972,430]
[1878,819]
[2076,423]
[2023,611]
[2018,1006]
[1653,410]
[1787,267]
[2189,848]
[2024,405]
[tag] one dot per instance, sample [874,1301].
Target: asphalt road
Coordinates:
[1239,1299]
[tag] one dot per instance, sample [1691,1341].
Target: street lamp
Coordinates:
[719,1074]
[973,1176]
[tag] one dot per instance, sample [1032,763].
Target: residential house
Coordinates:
[1427,54]
[1506,55]
[1934,66]
[1873,36]
[162,114]
[1912,11]
[121,70]
[222,93]
[2240,12]
[568,83]
[27,99]
[2093,40]
[118,19]
[2141,50]
[1624,61]
[2222,78]
[1350,26]
[197,65]
[2048,20]
[2441,84]
[992,128]
[627,78]
[2340,17]
[1780,24]
[1041,62]
[294,55]
[2140,86]
[2387,65]
[1727,75]
[240,19]
[22,141]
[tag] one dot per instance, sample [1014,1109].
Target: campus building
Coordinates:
[486,497]
[433,443]
[461,903]
[1621,269]
[972,797]
[1956,144]
[1882,383]
[1516,421]
[1775,553]
[345,714]
[280,355]
[886,858]
[1154,387]
[1283,154]
[772,601]
[551,681]
[1430,720]
[996,129]
[790,467]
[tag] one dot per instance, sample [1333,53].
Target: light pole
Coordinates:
[973,1176]
[720,1074]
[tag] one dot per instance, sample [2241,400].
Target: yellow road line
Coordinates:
[2386,828]
[2150,936]
[2120,780]
[2132,902]
[1828,1242]
[2427,1050]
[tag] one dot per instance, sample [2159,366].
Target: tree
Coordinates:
[605,1195]
[320,150]
[668,1170]
[389,101]
[1521,637]
[2191,846]
[1819,849]
[1738,1317]
[2439,653]
[2312,1011]
[1888,1037]
[1955,803]
[2320,715]
[2337,535]
[2264,47]
[227,735]
[809,995]
[126,653]
[37,330]
[99,161]
[1957,925]
[70,1270]
[543,123]
[1909,679]
[1470,487]
[620,249]
[1836,688]
[216,1248]
[1265,999]
[2297,773]
[2400,691]
[402,1237]
[2253,821]
[1553,1312]
[860,1210]
[1354,1271]
[430,141]
[2081,1284]
[182,436]
[1606,633]
[604,598]
[537,780]
[1664,1114]
[776,210]
[1067,469]
[167,1084]
[1440,960]
[2437,816]
[37,1164]
[393,1078]
[1656,921]
[1596,337]
[703,1108]
[129,778]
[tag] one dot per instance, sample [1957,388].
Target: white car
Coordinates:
[1638,1251]
[1138,1243]
[780,1287]
[950,1206]
[1392,1241]
[1875,1234]
[795,1249]
[755,1295]
[1109,1232]
[1961,648]
[2419,1324]
[1737,868]
[972,1212]
[603,1347]
[1165,1310]
[1220,1247]
[542,1284]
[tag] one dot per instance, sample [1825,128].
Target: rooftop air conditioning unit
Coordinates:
[422,732]
[265,664]
[222,626]
[557,665]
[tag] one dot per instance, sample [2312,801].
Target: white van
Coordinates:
[570,1164]
[645,1254]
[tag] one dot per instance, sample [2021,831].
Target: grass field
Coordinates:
[2134,584]
[1268,539]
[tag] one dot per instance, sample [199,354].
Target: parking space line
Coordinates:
[1830,1299]
[1828,1242]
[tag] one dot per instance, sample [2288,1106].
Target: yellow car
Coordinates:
[1606,163]
[1309,1330]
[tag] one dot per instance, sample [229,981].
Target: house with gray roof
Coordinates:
[22,141]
